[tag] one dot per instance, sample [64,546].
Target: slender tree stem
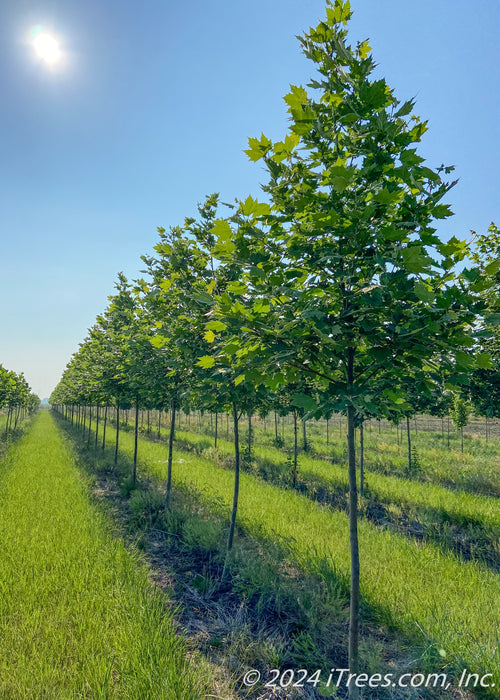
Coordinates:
[170,452]
[353,536]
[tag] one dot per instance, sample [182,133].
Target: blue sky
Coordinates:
[150,109]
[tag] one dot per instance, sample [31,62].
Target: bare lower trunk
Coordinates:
[117,433]
[96,428]
[249,434]
[136,435]
[170,451]
[295,450]
[353,537]
[236,479]
[104,427]
[409,443]
[90,426]
[361,459]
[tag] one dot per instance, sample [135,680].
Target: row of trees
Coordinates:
[16,398]
[334,295]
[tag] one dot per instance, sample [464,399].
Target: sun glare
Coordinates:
[47,47]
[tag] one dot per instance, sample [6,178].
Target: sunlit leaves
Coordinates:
[252,207]
[364,49]
[215,326]
[258,148]
[340,13]
[207,361]
[223,233]
[296,98]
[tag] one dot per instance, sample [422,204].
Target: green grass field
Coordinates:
[78,616]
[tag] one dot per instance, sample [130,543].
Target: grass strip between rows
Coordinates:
[78,616]
[461,506]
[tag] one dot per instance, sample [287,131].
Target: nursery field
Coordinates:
[429,541]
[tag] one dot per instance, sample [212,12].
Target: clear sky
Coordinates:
[149,109]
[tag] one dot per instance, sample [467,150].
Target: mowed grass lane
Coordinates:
[460,506]
[414,586]
[78,617]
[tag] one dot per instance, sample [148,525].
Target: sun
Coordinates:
[47,47]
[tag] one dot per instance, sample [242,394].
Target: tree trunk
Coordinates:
[96,427]
[276,427]
[462,438]
[170,451]
[117,432]
[361,459]
[327,436]
[295,450]
[353,537]
[216,427]
[136,435]
[236,479]
[305,446]
[90,426]
[249,434]
[104,428]
[409,443]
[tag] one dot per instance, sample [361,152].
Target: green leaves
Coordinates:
[206,362]
[484,361]
[222,231]
[215,326]
[340,13]
[424,292]
[375,95]
[303,401]
[441,211]
[364,49]
[284,149]
[258,147]
[251,207]
[296,98]
[388,197]
[340,176]
[415,259]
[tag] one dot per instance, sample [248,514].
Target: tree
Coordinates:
[460,415]
[343,276]
[484,384]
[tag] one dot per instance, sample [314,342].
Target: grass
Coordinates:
[443,514]
[78,616]
[476,471]
[414,587]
